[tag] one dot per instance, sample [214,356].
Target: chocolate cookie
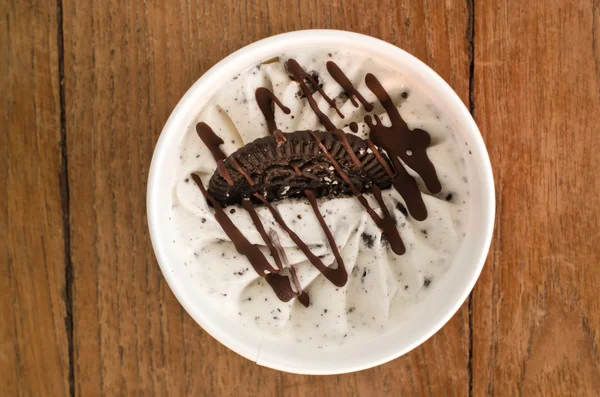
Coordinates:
[281,168]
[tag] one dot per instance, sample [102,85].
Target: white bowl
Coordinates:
[442,301]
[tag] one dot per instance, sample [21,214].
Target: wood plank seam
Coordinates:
[64,198]
[471,54]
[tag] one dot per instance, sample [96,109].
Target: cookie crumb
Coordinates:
[368,240]
[400,207]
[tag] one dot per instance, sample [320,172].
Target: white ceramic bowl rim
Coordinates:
[455,286]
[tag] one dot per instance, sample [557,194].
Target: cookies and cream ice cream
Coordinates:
[318,196]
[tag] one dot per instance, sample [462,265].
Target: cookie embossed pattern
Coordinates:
[321,199]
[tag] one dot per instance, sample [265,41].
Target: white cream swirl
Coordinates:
[380,282]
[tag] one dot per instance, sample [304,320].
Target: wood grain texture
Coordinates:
[537,101]
[127,63]
[34,359]
[535,94]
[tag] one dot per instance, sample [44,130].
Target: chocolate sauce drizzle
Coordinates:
[312,199]
[410,146]
[211,140]
[398,140]
[339,76]
[335,277]
[265,100]
[280,284]
[244,247]
[387,225]
[300,76]
[248,206]
[261,265]
[302,296]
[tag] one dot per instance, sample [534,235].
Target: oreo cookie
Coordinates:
[285,168]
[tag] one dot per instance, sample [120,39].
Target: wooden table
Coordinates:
[86,87]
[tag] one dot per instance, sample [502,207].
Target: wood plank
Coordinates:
[537,96]
[127,63]
[34,358]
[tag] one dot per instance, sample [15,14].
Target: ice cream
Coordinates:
[394,242]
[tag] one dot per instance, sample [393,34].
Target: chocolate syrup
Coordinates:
[265,100]
[398,140]
[339,76]
[402,143]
